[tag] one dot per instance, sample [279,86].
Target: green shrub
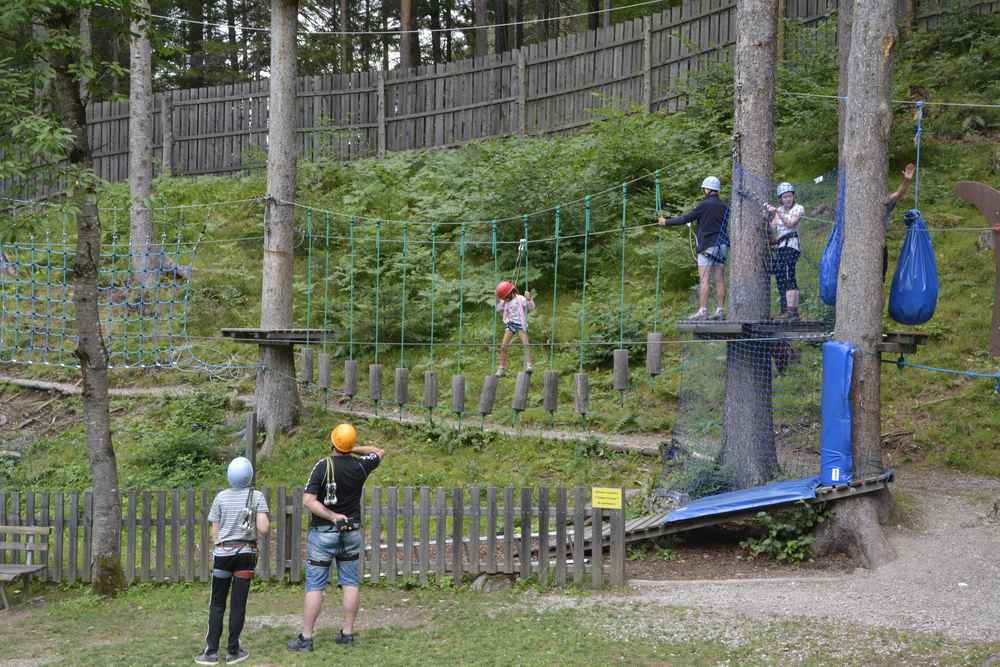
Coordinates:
[788,535]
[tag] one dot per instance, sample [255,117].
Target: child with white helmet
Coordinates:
[238,515]
[783,230]
[711,214]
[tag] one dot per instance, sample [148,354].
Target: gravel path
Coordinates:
[946,579]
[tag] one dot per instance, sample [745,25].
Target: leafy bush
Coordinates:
[788,535]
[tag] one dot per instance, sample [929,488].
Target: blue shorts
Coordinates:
[326,545]
[514,327]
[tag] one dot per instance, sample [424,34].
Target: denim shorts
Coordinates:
[327,545]
[714,256]
[514,327]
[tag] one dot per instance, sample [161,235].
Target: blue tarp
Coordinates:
[775,493]
[835,460]
[829,262]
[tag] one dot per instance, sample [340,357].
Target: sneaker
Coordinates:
[207,657]
[718,315]
[301,644]
[347,640]
[527,369]
[240,655]
[699,315]
[793,315]
[501,371]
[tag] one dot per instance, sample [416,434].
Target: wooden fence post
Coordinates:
[380,153]
[618,544]
[647,65]
[166,119]
[522,93]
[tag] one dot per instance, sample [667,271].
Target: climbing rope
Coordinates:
[326,285]
[555,287]
[621,304]
[350,316]
[461,301]
[902,363]
[524,242]
[402,318]
[433,283]
[659,254]
[309,269]
[583,287]
[918,132]
[378,274]
[496,281]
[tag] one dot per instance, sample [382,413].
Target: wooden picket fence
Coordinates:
[410,533]
[550,86]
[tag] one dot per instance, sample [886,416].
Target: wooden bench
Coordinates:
[30,546]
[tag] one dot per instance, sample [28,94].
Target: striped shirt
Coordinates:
[227,511]
[516,310]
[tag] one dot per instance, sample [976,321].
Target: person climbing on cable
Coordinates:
[783,230]
[238,516]
[515,308]
[711,214]
[890,206]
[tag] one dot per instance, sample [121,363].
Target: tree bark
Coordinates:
[542,11]
[500,32]
[482,17]
[845,13]
[519,25]
[748,447]
[346,45]
[435,10]
[140,152]
[276,393]
[859,287]
[196,44]
[105,568]
[594,18]
[86,52]
[406,38]
[234,45]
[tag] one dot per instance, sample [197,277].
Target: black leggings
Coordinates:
[234,571]
[783,267]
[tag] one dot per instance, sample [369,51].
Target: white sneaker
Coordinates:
[700,315]
[501,371]
[718,315]
[528,368]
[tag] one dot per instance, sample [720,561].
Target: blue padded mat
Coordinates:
[785,491]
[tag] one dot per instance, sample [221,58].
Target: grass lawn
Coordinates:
[165,626]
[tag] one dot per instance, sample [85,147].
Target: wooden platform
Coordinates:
[279,336]
[901,342]
[728,329]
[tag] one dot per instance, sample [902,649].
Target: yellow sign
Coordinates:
[606,499]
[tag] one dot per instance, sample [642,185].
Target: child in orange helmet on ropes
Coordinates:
[515,308]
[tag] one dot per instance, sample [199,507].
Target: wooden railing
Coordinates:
[409,533]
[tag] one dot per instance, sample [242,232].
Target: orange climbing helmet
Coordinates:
[504,289]
[343,438]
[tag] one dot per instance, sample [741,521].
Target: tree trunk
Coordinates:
[346,46]
[406,38]
[748,446]
[482,42]
[542,11]
[86,52]
[385,38]
[448,23]
[500,32]
[594,18]
[859,287]
[105,568]
[519,23]
[277,396]
[234,45]
[436,54]
[196,44]
[140,152]
[845,12]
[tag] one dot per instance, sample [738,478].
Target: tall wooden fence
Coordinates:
[417,533]
[546,87]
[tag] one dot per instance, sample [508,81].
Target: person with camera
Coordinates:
[333,498]
[238,515]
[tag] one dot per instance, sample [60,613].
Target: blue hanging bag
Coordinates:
[914,292]
[829,263]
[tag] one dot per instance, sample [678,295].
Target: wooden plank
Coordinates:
[29,521]
[189,534]
[596,550]
[15,520]
[491,529]
[457,524]
[618,545]
[423,557]
[3,521]
[57,560]
[175,535]
[579,518]
[28,548]
[391,521]
[524,570]
[561,537]
[144,554]
[296,534]
[508,530]
[161,535]
[543,535]
[474,517]
[264,559]
[376,554]
[44,520]
[73,535]
[408,531]
[29,530]
[206,539]
[280,555]
[440,535]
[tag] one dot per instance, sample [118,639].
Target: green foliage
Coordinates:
[701,478]
[788,535]
[448,440]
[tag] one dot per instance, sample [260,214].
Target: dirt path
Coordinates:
[945,580]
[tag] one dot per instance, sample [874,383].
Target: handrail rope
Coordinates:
[902,363]
[916,102]
[402,313]
[555,293]
[496,281]
[583,288]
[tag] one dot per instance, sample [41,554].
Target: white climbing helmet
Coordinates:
[240,472]
[712,183]
[785,187]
